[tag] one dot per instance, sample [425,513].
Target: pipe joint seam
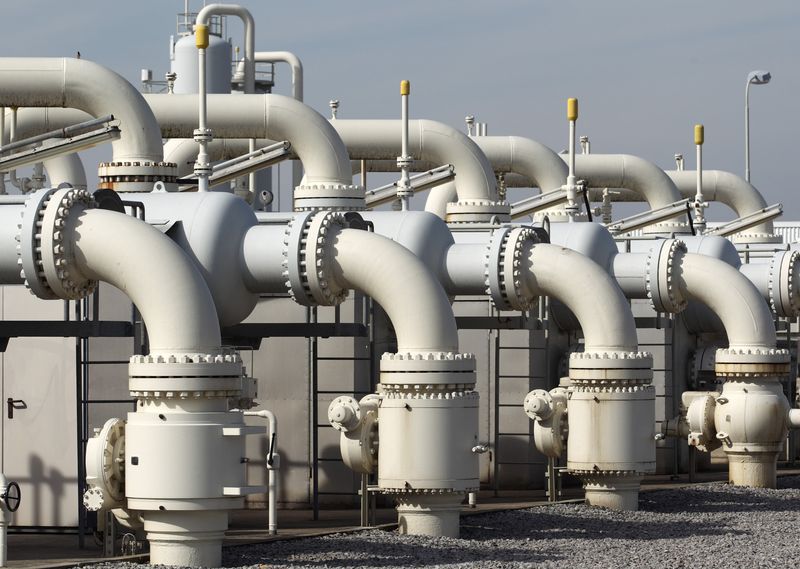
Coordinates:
[431,370]
[137,176]
[306,259]
[327,197]
[783,298]
[506,256]
[751,362]
[662,276]
[610,371]
[45,254]
[184,376]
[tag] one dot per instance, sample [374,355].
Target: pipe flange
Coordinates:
[622,370]
[457,392]
[478,211]
[751,362]
[427,368]
[663,269]
[186,375]
[306,259]
[782,283]
[137,176]
[329,197]
[756,238]
[45,257]
[505,268]
[409,490]
[666,227]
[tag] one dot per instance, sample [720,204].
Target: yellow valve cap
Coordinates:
[698,134]
[572,109]
[201,36]
[405,87]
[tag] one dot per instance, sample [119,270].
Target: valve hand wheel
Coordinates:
[12,496]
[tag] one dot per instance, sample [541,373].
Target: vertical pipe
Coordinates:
[202,135]
[404,191]
[699,204]
[747,132]
[272,490]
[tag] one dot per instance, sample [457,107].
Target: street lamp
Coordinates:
[753,78]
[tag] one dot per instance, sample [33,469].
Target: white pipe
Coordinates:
[272,473]
[730,295]
[600,307]
[414,300]
[528,157]
[84,85]
[399,281]
[273,117]
[204,17]
[726,188]
[202,167]
[297,90]
[539,164]
[430,141]
[66,168]
[293,61]
[630,172]
[6,517]
[154,273]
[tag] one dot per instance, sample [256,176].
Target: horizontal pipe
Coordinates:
[429,141]
[272,117]
[92,88]
[729,189]
[630,172]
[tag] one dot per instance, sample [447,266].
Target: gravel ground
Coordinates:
[705,526]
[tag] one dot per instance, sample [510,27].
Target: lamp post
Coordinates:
[753,78]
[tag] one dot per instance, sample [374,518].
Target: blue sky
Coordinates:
[644,71]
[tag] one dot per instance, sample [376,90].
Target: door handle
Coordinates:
[15,404]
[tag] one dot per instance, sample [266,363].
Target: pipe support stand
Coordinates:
[611,418]
[428,432]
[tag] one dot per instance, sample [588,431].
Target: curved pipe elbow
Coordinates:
[155,273]
[729,189]
[404,287]
[74,83]
[732,297]
[293,61]
[628,172]
[275,117]
[428,140]
[600,307]
[537,162]
[204,16]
